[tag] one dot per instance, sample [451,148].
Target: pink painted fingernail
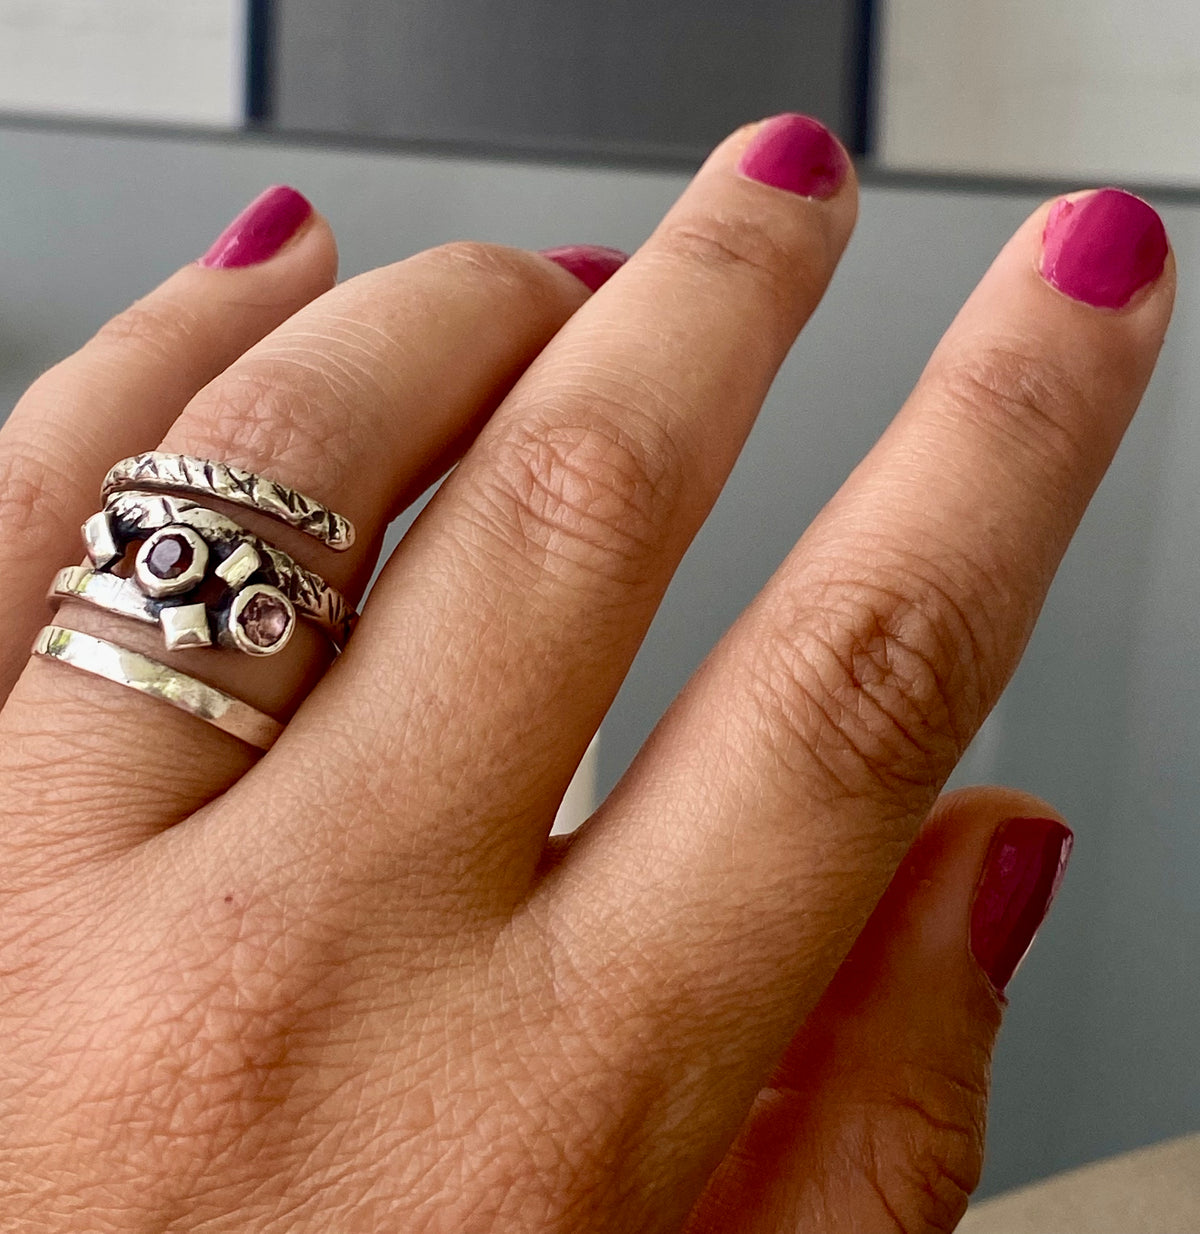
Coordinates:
[1021,875]
[261,230]
[796,153]
[1103,248]
[592,264]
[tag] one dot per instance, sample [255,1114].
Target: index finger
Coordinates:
[742,853]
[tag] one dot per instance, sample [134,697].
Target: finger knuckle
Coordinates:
[730,245]
[876,686]
[1032,401]
[157,326]
[277,411]
[32,507]
[586,489]
[493,267]
[926,1138]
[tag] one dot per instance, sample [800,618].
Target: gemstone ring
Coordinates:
[157,554]
[195,565]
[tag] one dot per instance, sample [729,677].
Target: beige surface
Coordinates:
[1155,1190]
[1075,90]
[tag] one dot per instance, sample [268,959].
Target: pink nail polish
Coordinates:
[261,230]
[796,153]
[1103,248]
[592,264]
[1021,875]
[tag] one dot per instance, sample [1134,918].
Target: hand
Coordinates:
[350,987]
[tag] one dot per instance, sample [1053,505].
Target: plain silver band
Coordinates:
[139,672]
[182,473]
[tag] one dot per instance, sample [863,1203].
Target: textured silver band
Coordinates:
[136,515]
[138,672]
[181,473]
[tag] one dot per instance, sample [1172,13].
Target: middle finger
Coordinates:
[500,631]
[739,858]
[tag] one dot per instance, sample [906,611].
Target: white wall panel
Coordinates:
[176,61]
[1094,89]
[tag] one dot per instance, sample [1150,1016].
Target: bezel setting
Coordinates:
[154,584]
[259,593]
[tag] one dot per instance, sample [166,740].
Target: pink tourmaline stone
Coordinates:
[170,557]
[264,620]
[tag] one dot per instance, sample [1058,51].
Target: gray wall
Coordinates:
[621,78]
[1100,1050]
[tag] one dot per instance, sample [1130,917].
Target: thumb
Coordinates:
[875,1118]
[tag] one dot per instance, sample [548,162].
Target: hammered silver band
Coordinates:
[155,680]
[159,472]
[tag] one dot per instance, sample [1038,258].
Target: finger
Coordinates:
[781,790]
[360,399]
[875,1119]
[498,634]
[120,392]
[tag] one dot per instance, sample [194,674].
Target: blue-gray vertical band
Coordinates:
[862,77]
[259,57]
[657,79]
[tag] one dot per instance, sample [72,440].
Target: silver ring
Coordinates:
[183,626]
[187,538]
[138,672]
[182,473]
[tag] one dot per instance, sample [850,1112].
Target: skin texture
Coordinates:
[349,987]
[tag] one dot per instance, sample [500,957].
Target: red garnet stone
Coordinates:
[264,620]
[170,557]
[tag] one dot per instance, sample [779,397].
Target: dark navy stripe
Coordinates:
[259,59]
[863,76]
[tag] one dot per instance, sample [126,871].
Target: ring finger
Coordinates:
[122,390]
[361,400]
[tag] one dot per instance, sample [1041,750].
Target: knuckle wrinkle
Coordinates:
[595,493]
[881,691]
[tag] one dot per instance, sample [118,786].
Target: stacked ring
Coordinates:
[201,576]
[180,473]
[180,539]
[130,668]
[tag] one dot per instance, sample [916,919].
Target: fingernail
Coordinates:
[592,264]
[261,230]
[1022,873]
[1103,248]
[796,153]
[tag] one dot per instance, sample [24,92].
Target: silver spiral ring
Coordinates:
[182,473]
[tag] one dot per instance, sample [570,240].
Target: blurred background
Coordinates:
[132,130]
